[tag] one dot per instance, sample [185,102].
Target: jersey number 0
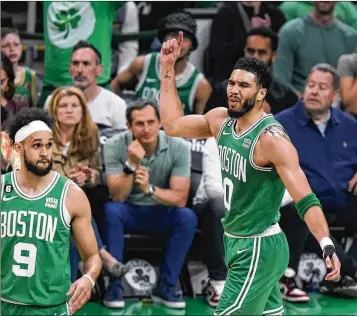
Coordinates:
[228,192]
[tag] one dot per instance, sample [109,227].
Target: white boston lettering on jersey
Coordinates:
[39,225]
[233,163]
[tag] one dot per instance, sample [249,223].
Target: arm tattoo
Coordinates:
[167,75]
[277,131]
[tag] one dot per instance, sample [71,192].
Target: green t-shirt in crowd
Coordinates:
[66,23]
[303,43]
[345,11]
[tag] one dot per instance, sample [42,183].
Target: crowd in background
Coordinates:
[107,136]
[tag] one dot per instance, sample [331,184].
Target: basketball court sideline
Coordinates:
[318,305]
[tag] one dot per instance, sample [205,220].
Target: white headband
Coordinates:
[27,130]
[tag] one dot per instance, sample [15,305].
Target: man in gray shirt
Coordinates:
[347,69]
[148,175]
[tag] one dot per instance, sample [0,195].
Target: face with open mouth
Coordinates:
[319,91]
[242,91]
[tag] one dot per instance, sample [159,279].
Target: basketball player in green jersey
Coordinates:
[258,161]
[38,210]
[193,89]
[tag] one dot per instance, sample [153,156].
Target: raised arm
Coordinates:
[279,151]
[133,70]
[79,209]
[171,110]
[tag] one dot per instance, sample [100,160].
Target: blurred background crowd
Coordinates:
[157,201]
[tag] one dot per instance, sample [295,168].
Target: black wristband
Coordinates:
[128,169]
[328,251]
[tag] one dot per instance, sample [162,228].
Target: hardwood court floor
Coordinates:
[318,305]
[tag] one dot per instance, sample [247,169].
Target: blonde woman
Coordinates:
[76,139]
[76,156]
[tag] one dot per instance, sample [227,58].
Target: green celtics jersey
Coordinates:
[68,22]
[187,83]
[26,89]
[35,241]
[252,194]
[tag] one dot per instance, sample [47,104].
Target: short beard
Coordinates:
[246,108]
[183,57]
[81,85]
[327,12]
[40,172]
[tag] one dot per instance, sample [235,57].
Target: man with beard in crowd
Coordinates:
[261,44]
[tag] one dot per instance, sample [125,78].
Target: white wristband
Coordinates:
[89,278]
[326,241]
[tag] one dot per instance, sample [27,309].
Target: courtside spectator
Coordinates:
[76,156]
[325,139]
[149,180]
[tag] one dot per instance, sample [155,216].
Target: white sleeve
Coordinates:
[211,169]
[119,113]
[128,50]
[47,102]
[287,199]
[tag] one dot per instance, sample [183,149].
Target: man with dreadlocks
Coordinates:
[193,89]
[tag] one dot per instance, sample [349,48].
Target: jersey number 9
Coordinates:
[25,257]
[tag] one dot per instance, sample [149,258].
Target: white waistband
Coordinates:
[13,302]
[272,230]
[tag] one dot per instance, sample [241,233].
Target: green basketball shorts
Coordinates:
[30,310]
[255,266]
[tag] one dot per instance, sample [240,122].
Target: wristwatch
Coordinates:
[152,190]
[128,169]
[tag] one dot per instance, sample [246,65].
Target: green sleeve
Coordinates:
[284,64]
[289,10]
[349,13]
[295,9]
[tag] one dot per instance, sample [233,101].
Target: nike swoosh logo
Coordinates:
[240,251]
[225,133]
[9,198]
